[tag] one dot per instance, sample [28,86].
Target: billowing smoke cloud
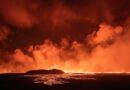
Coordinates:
[75,36]
[76,57]
[106,34]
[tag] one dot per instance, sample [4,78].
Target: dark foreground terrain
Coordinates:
[62,81]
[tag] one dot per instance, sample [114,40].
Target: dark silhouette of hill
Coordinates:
[42,71]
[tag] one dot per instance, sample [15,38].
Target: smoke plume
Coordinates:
[74,36]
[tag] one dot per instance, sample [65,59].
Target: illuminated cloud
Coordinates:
[72,35]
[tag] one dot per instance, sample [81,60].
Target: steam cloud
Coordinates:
[74,36]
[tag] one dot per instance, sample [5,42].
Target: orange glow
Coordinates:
[103,57]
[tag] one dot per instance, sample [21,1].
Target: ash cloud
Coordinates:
[29,29]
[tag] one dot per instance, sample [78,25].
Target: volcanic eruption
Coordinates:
[70,35]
